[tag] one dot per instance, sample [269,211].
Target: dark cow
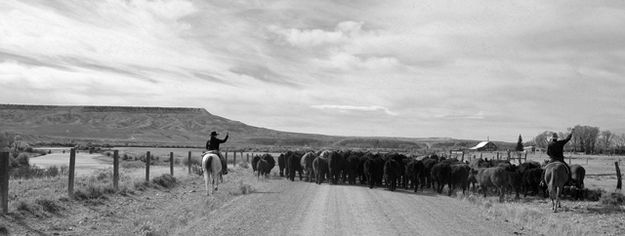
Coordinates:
[459,177]
[531,181]
[373,169]
[392,170]
[320,168]
[262,166]
[281,164]
[307,165]
[441,173]
[352,165]
[414,172]
[293,164]
[255,160]
[496,177]
[336,164]
[428,163]
[578,173]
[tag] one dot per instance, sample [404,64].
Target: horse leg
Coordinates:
[217,182]
[558,196]
[206,183]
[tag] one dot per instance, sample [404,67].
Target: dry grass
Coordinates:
[536,215]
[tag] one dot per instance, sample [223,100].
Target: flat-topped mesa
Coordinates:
[143,109]
[107,108]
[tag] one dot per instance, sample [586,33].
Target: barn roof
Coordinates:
[479,145]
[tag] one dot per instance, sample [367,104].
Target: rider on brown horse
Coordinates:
[556,147]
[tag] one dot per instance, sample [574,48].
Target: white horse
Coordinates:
[211,165]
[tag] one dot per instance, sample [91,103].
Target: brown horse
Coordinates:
[556,175]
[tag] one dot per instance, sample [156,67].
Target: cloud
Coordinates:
[448,69]
[355,108]
[305,38]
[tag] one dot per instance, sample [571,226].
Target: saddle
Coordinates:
[553,162]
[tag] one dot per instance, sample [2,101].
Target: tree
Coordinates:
[619,143]
[542,139]
[585,138]
[605,140]
[519,144]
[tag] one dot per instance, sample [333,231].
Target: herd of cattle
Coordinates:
[393,170]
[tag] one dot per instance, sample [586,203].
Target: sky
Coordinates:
[463,69]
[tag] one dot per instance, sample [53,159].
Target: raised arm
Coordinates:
[225,139]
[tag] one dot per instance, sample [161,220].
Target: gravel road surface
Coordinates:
[298,208]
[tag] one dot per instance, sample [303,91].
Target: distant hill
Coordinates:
[168,126]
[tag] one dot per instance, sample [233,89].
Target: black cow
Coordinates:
[428,163]
[373,169]
[414,172]
[531,181]
[352,165]
[255,160]
[293,164]
[578,173]
[336,164]
[281,164]
[459,177]
[263,168]
[441,174]
[392,171]
[320,167]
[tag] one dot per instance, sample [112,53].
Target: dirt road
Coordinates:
[298,208]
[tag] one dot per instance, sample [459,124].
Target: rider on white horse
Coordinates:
[212,145]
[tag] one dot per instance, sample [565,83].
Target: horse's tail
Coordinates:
[211,163]
[208,162]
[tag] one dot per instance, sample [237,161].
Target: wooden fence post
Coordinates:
[234,158]
[247,159]
[619,184]
[116,170]
[147,166]
[171,163]
[189,162]
[4,182]
[525,160]
[72,164]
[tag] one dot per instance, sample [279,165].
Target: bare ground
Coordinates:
[299,208]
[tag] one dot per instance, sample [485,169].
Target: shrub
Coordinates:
[614,199]
[165,180]
[142,185]
[52,171]
[93,191]
[23,159]
[132,164]
[244,165]
[48,205]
